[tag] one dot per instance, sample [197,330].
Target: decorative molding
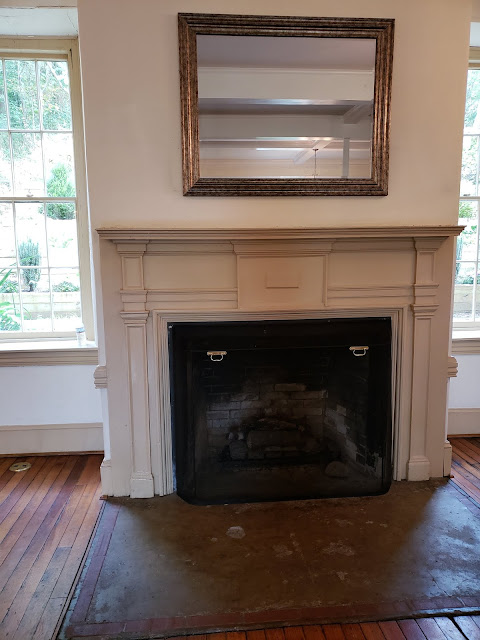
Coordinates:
[461,421]
[282,248]
[141,479]
[45,438]
[158,248]
[106,476]
[465,346]
[418,466]
[136,235]
[100,377]
[132,265]
[452,367]
[134,317]
[424,310]
[55,427]
[48,357]
[418,469]
[375,245]
[447,459]
[370,291]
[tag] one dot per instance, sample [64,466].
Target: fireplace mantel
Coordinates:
[151,277]
[123,234]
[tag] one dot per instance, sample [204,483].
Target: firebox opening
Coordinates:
[281,410]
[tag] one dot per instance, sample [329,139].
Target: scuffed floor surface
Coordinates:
[162,566]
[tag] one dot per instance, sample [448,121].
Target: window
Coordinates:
[44,253]
[466,311]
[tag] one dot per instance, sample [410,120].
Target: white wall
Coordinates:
[132,116]
[464,397]
[49,409]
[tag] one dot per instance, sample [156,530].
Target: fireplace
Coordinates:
[281,410]
[161,282]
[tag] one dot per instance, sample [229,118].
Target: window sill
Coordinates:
[465,342]
[46,353]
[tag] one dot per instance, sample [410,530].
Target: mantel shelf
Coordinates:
[126,234]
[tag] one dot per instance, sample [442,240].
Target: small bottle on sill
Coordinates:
[81,337]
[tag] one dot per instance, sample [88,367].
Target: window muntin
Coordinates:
[39,258]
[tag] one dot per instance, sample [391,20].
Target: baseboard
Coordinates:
[45,438]
[461,421]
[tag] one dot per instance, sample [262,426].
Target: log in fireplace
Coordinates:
[277,410]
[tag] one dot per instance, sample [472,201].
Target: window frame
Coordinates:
[67,49]
[469,326]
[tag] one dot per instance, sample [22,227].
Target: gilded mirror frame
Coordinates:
[192,24]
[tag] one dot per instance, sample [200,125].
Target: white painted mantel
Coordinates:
[152,277]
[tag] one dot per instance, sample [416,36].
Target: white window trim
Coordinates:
[15,48]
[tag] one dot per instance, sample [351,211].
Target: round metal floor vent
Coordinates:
[20,466]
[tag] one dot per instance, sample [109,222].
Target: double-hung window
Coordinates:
[466,313]
[44,252]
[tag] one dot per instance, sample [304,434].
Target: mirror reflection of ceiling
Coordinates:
[285,106]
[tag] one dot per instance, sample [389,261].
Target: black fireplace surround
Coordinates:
[281,410]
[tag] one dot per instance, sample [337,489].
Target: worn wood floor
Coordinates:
[47,515]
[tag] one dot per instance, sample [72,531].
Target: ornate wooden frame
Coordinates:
[192,24]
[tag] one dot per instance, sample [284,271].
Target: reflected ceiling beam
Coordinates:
[270,84]
[358,112]
[307,154]
[267,126]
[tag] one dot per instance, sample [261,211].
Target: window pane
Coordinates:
[62,235]
[468,186]
[10,317]
[472,104]
[58,155]
[3,110]
[5,166]
[463,298]
[22,94]
[55,94]
[27,164]
[7,233]
[37,312]
[30,224]
[67,315]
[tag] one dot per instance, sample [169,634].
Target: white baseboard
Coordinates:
[51,438]
[463,421]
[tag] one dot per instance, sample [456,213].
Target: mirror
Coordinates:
[284,105]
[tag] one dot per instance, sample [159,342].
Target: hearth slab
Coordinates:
[168,566]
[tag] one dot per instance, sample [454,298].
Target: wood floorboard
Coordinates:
[466,466]
[411,630]
[313,632]
[353,632]
[372,631]
[465,452]
[46,522]
[391,630]
[47,516]
[333,632]
[468,627]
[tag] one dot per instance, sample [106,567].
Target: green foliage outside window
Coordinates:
[59,186]
[29,256]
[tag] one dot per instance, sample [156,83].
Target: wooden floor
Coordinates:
[48,513]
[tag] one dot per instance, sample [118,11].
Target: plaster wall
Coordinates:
[49,409]
[132,116]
